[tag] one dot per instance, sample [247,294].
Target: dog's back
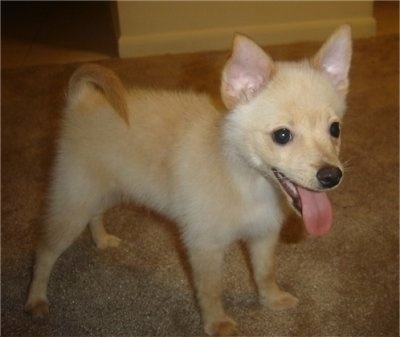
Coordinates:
[137,155]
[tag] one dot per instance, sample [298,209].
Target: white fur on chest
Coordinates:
[217,215]
[261,208]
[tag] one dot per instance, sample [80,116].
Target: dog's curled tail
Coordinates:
[106,82]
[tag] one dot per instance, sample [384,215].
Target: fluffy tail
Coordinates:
[104,80]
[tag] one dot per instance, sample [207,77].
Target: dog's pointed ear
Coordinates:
[246,72]
[334,58]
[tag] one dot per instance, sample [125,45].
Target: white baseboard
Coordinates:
[221,38]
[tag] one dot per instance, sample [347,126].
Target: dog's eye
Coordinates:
[282,136]
[335,129]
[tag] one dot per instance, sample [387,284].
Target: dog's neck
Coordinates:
[234,151]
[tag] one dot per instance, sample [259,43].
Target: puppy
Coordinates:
[220,176]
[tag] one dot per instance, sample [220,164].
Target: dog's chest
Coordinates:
[261,208]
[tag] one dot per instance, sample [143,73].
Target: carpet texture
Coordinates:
[347,281]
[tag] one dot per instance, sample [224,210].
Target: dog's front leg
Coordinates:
[207,276]
[262,259]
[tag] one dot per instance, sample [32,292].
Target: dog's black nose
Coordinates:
[329,176]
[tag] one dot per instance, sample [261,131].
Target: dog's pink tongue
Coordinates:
[317,211]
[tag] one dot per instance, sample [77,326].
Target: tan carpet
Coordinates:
[347,281]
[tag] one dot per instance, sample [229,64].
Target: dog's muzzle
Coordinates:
[313,205]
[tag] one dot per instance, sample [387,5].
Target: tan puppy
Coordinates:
[221,177]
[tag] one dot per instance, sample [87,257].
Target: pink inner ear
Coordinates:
[244,82]
[246,72]
[335,62]
[337,73]
[334,57]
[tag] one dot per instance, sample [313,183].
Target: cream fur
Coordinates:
[209,171]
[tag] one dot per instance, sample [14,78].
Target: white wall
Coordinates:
[159,27]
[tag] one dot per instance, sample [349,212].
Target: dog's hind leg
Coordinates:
[72,205]
[101,238]
[59,233]
[262,258]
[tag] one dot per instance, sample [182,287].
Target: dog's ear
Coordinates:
[246,72]
[334,58]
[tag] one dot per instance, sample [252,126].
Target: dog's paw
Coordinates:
[37,308]
[280,301]
[222,327]
[107,240]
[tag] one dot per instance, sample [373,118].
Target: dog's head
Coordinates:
[285,119]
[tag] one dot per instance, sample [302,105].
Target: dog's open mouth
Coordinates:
[291,190]
[313,206]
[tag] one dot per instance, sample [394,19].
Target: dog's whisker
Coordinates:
[347,165]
